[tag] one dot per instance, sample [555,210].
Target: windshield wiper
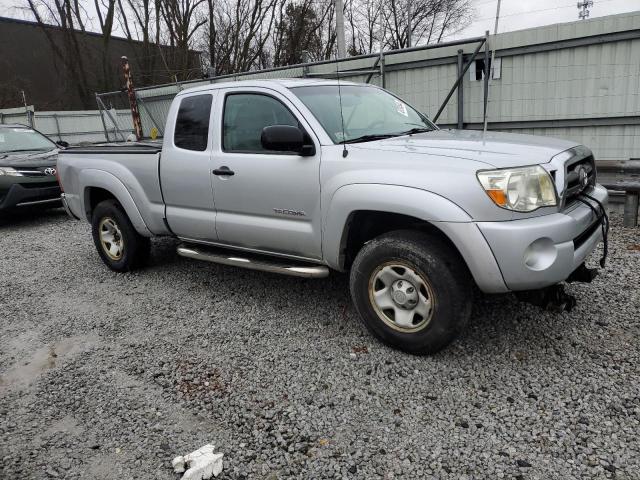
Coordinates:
[369,138]
[24,150]
[417,130]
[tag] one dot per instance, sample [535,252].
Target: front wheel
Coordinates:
[412,291]
[118,243]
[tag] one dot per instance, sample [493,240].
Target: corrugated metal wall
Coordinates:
[74,127]
[579,81]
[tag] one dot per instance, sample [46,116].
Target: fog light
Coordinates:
[541,254]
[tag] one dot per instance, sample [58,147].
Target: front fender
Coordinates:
[450,218]
[101,179]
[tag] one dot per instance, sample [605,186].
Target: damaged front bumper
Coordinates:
[539,252]
[554,298]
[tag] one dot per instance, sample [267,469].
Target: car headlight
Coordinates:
[522,189]
[12,172]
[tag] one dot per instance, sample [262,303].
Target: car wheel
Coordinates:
[412,290]
[119,245]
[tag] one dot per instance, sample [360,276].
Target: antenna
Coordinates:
[345,152]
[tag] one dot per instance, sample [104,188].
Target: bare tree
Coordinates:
[105,10]
[182,22]
[387,22]
[238,32]
[70,17]
[235,35]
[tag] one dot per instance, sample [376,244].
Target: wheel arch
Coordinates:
[359,213]
[99,185]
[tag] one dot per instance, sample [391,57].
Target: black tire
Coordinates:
[135,247]
[445,279]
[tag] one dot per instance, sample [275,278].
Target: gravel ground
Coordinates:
[106,375]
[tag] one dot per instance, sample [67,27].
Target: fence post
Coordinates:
[104,124]
[383,80]
[460,92]
[305,61]
[55,117]
[135,114]
[630,218]
[455,85]
[486,73]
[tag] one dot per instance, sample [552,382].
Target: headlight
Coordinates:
[521,189]
[10,172]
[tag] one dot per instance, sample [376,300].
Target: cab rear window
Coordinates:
[192,123]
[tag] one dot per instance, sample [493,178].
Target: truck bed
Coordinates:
[128,171]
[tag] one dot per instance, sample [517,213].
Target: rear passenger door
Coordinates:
[185,167]
[267,201]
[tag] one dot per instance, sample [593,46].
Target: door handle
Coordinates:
[224,170]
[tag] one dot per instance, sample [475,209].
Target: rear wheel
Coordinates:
[119,245]
[412,291]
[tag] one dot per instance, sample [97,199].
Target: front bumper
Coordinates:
[65,205]
[541,251]
[29,195]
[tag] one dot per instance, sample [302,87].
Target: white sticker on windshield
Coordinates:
[22,130]
[401,108]
[1,138]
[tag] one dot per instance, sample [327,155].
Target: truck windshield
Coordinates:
[369,113]
[19,139]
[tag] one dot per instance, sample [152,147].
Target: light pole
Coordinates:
[340,28]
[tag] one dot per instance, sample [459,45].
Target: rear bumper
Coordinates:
[542,251]
[20,196]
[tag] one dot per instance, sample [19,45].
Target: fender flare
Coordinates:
[449,218]
[101,179]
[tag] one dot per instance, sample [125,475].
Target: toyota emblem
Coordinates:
[50,171]
[583,177]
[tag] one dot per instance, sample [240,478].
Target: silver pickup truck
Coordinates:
[306,176]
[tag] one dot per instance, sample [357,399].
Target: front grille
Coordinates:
[584,236]
[34,171]
[574,178]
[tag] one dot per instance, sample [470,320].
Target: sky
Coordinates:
[521,14]
[514,14]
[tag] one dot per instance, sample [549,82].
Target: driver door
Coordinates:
[265,201]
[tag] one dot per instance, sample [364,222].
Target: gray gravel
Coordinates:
[107,375]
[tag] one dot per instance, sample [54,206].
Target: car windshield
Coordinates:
[369,113]
[20,139]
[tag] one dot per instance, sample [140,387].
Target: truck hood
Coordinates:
[495,149]
[29,159]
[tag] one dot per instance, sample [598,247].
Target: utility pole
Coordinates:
[584,5]
[409,28]
[133,102]
[340,28]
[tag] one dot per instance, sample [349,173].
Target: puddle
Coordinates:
[26,371]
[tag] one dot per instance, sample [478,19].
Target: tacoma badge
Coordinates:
[285,211]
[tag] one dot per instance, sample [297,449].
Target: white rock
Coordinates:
[178,464]
[201,464]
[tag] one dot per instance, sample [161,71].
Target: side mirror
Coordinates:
[62,143]
[286,138]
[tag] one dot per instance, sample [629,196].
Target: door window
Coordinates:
[245,115]
[192,123]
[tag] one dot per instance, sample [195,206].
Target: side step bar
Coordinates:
[254,263]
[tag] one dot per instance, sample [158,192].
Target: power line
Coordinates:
[549,9]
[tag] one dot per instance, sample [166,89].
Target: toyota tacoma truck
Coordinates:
[306,176]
